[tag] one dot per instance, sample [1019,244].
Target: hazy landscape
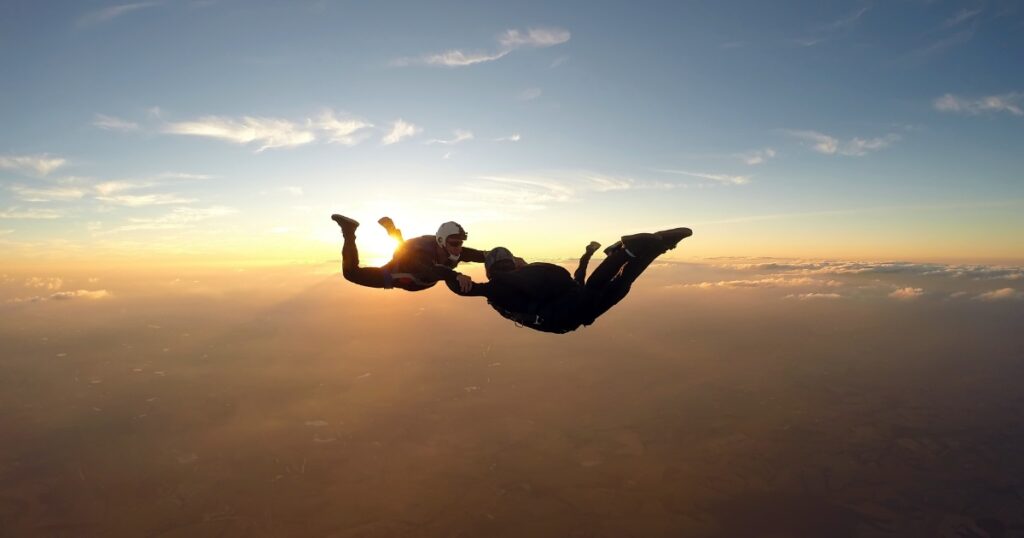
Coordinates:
[726,398]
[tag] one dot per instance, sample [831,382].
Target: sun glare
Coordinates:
[375,249]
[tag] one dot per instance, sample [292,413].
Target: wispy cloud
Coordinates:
[782,281]
[514,137]
[854,147]
[606,183]
[267,133]
[113,12]
[111,123]
[178,218]
[330,127]
[534,37]
[344,131]
[17,213]
[521,192]
[53,194]
[757,156]
[827,30]
[64,296]
[144,200]
[1003,294]
[459,136]
[182,175]
[529,192]
[400,130]
[508,41]
[80,294]
[457,58]
[807,41]
[813,296]
[116,192]
[108,188]
[1007,102]
[956,30]
[906,294]
[960,17]
[845,22]
[37,165]
[50,283]
[725,179]
[529,94]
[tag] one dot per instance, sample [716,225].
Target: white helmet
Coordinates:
[447,230]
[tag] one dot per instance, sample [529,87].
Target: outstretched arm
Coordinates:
[472,255]
[581,271]
[474,289]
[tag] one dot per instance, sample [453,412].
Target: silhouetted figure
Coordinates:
[545,297]
[417,264]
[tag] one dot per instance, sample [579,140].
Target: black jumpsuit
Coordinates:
[545,297]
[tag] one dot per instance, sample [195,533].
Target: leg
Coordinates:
[372,277]
[631,249]
[635,266]
[646,248]
[581,271]
[607,269]
[613,279]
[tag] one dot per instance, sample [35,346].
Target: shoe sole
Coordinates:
[683,233]
[672,237]
[343,220]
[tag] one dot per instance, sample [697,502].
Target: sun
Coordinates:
[375,249]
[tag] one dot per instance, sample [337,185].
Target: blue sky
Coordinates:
[219,129]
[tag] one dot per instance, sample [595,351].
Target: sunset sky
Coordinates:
[222,131]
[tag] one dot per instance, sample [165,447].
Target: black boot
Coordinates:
[672,237]
[348,226]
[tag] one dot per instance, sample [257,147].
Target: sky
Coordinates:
[204,132]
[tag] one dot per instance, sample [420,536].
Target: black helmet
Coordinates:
[499,260]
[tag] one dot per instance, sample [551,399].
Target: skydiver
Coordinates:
[545,297]
[417,264]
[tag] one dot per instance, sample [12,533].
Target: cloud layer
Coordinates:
[867,280]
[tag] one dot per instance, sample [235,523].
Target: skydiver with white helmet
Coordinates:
[417,264]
